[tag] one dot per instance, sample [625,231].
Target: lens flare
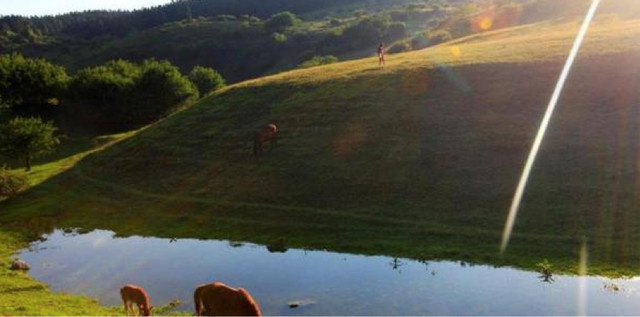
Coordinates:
[517,198]
[486,23]
[582,280]
[456,52]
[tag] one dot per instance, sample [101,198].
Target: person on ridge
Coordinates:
[381,55]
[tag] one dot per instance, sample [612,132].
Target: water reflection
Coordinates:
[546,278]
[396,263]
[301,282]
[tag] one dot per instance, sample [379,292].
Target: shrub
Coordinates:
[417,6]
[401,16]
[319,60]
[206,79]
[419,41]
[225,18]
[279,22]
[396,30]
[359,13]
[11,183]
[367,31]
[439,36]
[399,47]
[279,37]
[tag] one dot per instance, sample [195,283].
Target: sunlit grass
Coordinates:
[539,42]
[71,153]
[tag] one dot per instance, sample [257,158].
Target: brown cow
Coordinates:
[217,299]
[268,133]
[131,295]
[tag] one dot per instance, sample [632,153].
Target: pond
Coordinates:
[98,264]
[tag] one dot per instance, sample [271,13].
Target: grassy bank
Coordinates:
[21,294]
[417,159]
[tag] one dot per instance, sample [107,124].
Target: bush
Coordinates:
[439,36]
[319,60]
[225,18]
[419,41]
[396,30]
[399,16]
[206,79]
[359,13]
[279,22]
[11,183]
[400,47]
[367,31]
[279,37]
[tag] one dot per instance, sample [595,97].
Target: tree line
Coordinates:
[113,96]
[91,24]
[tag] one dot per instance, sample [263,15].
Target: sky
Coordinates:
[46,7]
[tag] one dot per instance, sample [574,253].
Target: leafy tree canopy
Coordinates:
[27,138]
[30,81]
[206,79]
[281,21]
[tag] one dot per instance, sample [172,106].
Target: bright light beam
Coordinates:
[582,280]
[517,198]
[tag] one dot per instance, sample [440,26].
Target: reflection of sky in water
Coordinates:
[98,265]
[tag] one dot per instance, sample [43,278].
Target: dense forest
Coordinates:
[240,38]
[91,24]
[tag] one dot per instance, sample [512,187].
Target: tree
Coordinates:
[102,94]
[160,90]
[368,31]
[279,22]
[206,79]
[122,95]
[30,81]
[189,14]
[27,138]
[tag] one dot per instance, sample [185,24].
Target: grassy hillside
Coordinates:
[416,159]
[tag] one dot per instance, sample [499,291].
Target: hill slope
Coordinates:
[418,158]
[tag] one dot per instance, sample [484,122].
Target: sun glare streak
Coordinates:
[517,198]
[582,280]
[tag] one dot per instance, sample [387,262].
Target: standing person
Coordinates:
[381,55]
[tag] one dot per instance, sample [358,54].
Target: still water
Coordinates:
[98,264]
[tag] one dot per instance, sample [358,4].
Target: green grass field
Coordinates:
[416,159]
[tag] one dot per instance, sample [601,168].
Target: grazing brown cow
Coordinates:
[218,299]
[268,133]
[131,295]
